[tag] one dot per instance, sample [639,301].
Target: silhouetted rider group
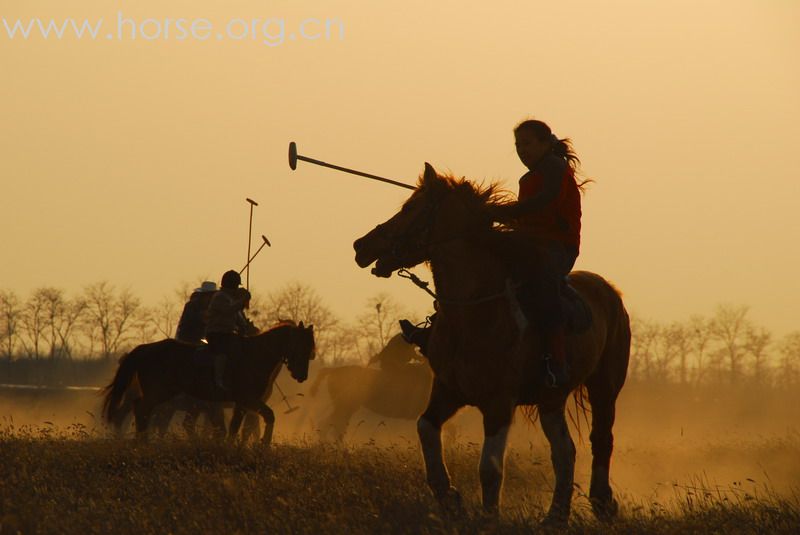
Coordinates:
[217,315]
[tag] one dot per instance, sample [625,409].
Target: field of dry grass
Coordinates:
[72,480]
[703,462]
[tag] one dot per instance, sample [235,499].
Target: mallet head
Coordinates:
[251,201]
[266,240]
[293,155]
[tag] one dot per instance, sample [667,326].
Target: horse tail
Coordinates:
[321,375]
[115,391]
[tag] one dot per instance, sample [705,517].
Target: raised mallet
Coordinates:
[293,157]
[250,260]
[249,238]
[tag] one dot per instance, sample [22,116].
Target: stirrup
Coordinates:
[552,378]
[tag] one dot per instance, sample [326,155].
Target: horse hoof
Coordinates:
[605,509]
[554,520]
[450,501]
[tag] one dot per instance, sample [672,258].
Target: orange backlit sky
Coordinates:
[130,160]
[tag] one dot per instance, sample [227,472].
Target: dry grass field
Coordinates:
[707,463]
[71,481]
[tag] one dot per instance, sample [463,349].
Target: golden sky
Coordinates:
[129,160]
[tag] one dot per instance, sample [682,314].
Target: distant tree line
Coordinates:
[103,322]
[727,347]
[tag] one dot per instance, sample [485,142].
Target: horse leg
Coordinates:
[142,409]
[236,421]
[162,417]
[562,455]
[496,423]
[250,427]
[441,407]
[603,400]
[215,418]
[122,421]
[269,422]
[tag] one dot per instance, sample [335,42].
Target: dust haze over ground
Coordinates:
[668,439]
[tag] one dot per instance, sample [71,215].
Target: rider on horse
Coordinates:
[549,206]
[226,319]
[396,355]
[192,325]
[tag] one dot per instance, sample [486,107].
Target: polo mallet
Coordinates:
[266,242]
[249,238]
[293,157]
[286,400]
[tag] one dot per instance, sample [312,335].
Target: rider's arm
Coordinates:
[552,171]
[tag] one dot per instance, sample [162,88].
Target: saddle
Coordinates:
[203,356]
[576,312]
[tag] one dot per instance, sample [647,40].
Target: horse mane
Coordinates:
[515,245]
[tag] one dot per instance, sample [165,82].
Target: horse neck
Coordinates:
[464,269]
[266,350]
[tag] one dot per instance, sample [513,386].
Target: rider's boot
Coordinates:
[555,359]
[219,372]
[415,335]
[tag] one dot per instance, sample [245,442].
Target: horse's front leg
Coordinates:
[269,420]
[496,423]
[236,421]
[562,454]
[442,405]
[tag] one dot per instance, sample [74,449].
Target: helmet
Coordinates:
[231,279]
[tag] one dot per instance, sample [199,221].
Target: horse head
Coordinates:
[440,210]
[301,350]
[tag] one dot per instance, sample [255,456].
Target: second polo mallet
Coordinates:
[249,238]
[250,260]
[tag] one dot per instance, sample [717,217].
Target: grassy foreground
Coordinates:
[74,483]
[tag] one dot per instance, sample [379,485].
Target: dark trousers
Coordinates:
[540,295]
[221,343]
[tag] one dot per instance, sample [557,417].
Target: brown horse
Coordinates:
[167,368]
[482,355]
[400,392]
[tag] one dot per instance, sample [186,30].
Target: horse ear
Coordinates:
[301,324]
[430,173]
[311,328]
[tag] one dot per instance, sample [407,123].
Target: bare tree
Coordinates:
[729,327]
[699,335]
[789,364]
[378,323]
[10,317]
[110,316]
[61,315]
[644,335]
[298,302]
[342,346]
[34,323]
[756,342]
[164,317]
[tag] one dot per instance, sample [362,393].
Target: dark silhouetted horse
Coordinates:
[481,353]
[167,368]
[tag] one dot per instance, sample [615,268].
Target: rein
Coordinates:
[424,285]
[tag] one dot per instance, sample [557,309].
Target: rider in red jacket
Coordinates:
[549,205]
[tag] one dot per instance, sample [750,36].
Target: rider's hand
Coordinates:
[244,294]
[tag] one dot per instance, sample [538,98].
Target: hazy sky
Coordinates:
[129,160]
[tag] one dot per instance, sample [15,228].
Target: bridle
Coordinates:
[418,235]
